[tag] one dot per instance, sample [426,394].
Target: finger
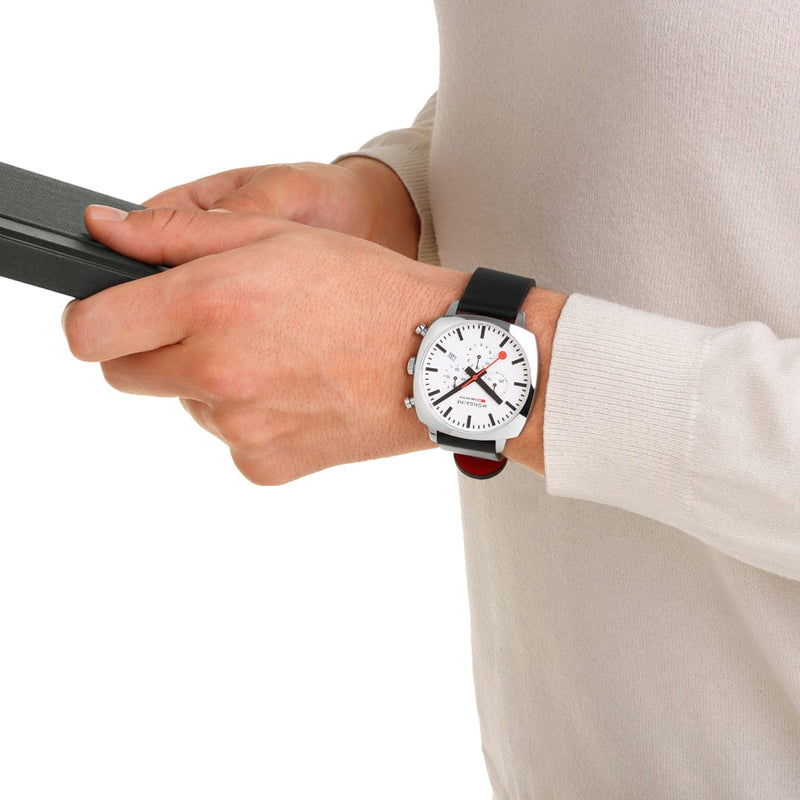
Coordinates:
[204,193]
[174,236]
[159,373]
[205,375]
[161,309]
[135,317]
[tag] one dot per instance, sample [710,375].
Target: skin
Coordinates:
[286,323]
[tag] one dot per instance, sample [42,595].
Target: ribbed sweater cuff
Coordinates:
[620,409]
[411,165]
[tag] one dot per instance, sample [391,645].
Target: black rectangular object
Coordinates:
[43,240]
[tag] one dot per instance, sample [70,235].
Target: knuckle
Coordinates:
[154,221]
[266,454]
[214,377]
[248,198]
[115,377]
[162,219]
[278,174]
[263,471]
[165,226]
[234,428]
[280,189]
[222,380]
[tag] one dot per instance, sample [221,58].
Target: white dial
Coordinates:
[475,377]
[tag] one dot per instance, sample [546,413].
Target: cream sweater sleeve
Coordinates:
[693,426]
[407,152]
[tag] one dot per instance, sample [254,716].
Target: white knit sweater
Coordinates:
[636,615]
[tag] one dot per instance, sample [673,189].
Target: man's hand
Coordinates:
[287,342]
[358,196]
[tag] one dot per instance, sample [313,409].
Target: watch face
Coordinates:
[475,377]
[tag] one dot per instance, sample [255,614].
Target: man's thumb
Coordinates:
[171,236]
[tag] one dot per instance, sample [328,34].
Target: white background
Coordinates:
[168,630]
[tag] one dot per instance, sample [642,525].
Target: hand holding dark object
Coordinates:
[284,340]
[358,196]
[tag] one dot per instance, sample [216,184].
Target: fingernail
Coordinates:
[106,214]
[221,210]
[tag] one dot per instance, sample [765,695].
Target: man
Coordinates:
[634,611]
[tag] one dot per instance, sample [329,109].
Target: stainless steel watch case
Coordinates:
[502,433]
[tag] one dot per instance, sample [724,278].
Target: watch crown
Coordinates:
[421,330]
[409,401]
[412,362]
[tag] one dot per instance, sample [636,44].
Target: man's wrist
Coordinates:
[396,224]
[542,311]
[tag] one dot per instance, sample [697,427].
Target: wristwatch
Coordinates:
[475,372]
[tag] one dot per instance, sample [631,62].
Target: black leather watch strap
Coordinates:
[490,293]
[454,442]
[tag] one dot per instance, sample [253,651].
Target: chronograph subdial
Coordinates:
[494,383]
[479,355]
